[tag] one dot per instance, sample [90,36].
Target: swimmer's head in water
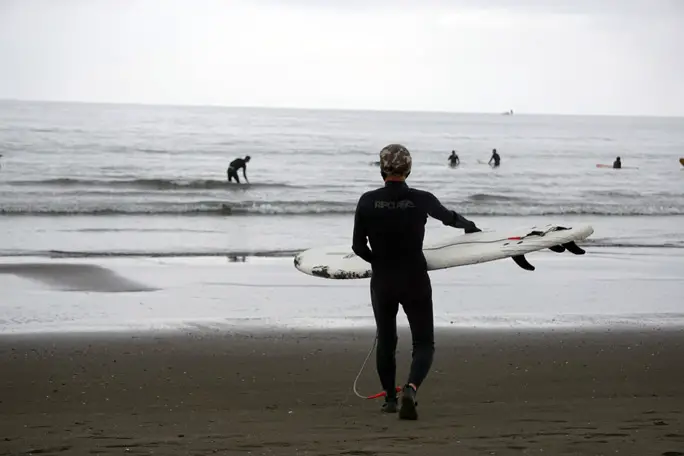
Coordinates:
[395,160]
[248,158]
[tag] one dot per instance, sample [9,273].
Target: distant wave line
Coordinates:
[150,254]
[216,208]
[159,184]
[632,245]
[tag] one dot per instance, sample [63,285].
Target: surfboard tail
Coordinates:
[571,247]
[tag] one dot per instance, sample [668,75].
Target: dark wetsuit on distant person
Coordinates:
[392,220]
[234,166]
[617,164]
[496,158]
[453,159]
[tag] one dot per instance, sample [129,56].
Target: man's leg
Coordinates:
[417,303]
[385,309]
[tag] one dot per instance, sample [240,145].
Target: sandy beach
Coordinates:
[289,393]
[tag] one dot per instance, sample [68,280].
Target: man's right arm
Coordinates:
[448,217]
[360,236]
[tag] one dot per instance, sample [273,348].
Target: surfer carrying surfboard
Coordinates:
[392,220]
[617,164]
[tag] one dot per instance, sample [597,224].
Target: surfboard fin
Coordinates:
[571,247]
[521,261]
[574,248]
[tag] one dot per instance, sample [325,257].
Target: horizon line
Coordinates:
[304,108]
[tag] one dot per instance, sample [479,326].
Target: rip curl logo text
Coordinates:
[403,204]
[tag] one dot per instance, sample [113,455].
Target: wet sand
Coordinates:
[289,393]
[74,277]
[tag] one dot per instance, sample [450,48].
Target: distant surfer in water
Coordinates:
[495,158]
[617,164]
[454,161]
[392,220]
[235,165]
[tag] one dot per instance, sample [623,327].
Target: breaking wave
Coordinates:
[150,184]
[321,208]
[148,253]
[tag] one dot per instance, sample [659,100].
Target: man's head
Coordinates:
[248,158]
[395,162]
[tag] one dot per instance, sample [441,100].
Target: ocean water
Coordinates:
[139,177]
[98,180]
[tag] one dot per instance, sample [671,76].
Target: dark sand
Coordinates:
[490,393]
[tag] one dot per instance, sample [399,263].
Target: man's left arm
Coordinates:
[360,237]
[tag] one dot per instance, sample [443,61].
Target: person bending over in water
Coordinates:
[234,166]
[495,158]
[453,159]
[617,164]
[392,220]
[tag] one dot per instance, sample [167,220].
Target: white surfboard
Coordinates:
[339,262]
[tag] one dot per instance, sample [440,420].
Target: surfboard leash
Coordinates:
[372,396]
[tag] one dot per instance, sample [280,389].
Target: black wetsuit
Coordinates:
[496,158]
[393,219]
[454,160]
[233,168]
[617,164]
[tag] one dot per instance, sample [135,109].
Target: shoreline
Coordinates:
[250,333]
[635,324]
[599,290]
[255,236]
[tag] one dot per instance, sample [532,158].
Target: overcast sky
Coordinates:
[553,56]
